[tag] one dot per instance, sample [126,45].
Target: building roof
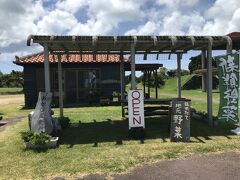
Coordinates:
[234,34]
[38,58]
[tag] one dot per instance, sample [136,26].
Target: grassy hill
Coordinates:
[199,98]
[171,84]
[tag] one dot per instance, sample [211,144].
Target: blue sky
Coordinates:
[111,17]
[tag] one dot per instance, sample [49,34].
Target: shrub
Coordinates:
[35,138]
[40,138]
[26,135]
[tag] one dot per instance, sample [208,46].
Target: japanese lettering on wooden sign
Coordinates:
[180,120]
[136,109]
[228,73]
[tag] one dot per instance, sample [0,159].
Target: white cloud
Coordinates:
[56,22]
[17,21]
[172,17]
[150,28]
[71,5]
[171,25]
[221,18]
[105,15]
[176,4]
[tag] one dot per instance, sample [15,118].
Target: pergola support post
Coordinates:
[60,86]
[179,74]
[144,84]
[209,84]
[122,76]
[133,68]
[203,65]
[148,76]
[46,69]
[156,85]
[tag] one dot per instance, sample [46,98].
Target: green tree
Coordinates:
[161,77]
[14,79]
[195,63]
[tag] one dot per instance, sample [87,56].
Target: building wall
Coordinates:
[34,79]
[29,88]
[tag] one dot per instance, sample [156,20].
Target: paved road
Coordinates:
[224,166]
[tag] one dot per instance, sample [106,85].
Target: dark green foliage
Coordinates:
[184,72]
[173,73]
[26,135]
[161,78]
[14,79]
[35,138]
[64,122]
[195,63]
[39,138]
[128,79]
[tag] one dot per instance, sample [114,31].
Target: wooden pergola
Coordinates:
[131,45]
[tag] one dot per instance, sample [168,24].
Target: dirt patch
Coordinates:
[10,121]
[11,99]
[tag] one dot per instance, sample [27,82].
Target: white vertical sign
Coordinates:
[136,109]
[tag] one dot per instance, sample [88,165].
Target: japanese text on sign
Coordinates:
[180,123]
[228,72]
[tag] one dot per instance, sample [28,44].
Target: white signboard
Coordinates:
[136,109]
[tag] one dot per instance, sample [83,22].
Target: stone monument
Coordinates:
[40,120]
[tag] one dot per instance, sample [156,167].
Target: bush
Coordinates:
[35,138]
[26,136]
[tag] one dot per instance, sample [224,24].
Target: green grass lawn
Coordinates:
[97,142]
[11,90]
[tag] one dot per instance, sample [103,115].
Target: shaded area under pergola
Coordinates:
[132,45]
[147,70]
